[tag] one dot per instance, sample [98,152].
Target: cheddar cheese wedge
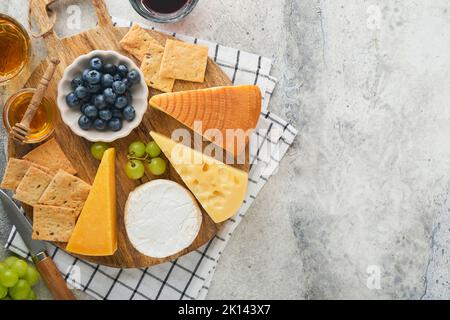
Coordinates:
[233,110]
[95,233]
[218,187]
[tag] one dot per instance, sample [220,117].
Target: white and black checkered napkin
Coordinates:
[188,277]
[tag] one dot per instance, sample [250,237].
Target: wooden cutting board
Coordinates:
[106,37]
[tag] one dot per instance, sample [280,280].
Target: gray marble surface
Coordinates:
[359,207]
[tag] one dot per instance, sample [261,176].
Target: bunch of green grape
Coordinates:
[139,157]
[16,279]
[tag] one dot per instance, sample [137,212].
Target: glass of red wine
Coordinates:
[163,11]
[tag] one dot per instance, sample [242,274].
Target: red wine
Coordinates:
[164,6]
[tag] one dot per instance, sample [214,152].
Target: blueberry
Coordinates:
[99,101]
[117,77]
[83,107]
[122,70]
[121,102]
[90,111]
[94,77]
[109,68]
[96,63]
[127,83]
[119,87]
[116,113]
[100,124]
[110,96]
[129,113]
[84,75]
[115,124]
[105,114]
[81,92]
[84,122]
[93,88]
[72,100]
[76,82]
[133,76]
[107,80]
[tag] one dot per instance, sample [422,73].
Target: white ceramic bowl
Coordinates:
[70,116]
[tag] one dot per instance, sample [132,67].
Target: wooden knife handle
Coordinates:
[53,279]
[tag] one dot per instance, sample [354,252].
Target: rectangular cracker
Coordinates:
[66,190]
[137,40]
[52,223]
[150,68]
[32,186]
[50,155]
[184,61]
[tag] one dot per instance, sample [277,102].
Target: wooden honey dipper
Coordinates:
[20,131]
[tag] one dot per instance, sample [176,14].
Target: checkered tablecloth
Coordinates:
[189,277]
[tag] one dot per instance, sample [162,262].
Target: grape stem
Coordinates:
[131,157]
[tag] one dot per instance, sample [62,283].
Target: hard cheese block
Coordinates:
[218,187]
[235,109]
[95,233]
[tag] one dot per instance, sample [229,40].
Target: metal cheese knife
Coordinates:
[38,249]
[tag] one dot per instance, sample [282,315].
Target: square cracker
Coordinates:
[66,190]
[50,155]
[53,223]
[184,61]
[137,40]
[32,186]
[150,68]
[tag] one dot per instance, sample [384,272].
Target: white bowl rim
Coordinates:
[103,136]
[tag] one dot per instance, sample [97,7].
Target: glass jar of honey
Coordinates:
[43,123]
[15,49]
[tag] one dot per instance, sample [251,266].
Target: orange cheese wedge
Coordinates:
[95,233]
[233,111]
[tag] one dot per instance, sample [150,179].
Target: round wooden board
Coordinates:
[106,37]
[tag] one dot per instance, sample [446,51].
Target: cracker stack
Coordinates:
[44,179]
[162,65]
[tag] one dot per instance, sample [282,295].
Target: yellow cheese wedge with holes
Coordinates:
[95,233]
[218,187]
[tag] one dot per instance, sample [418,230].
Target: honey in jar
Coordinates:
[14,48]
[43,123]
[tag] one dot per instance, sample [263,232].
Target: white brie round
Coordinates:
[162,218]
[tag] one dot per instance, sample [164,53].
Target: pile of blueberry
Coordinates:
[102,92]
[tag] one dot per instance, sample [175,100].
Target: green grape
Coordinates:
[98,149]
[32,295]
[6,298]
[3,266]
[20,291]
[134,169]
[157,166]
[10,260]
[8,278]
[137,149]
[32,276]
[153,149]
[3,291]
[20,267]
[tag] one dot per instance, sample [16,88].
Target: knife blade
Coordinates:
[38,249]
[23,225]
